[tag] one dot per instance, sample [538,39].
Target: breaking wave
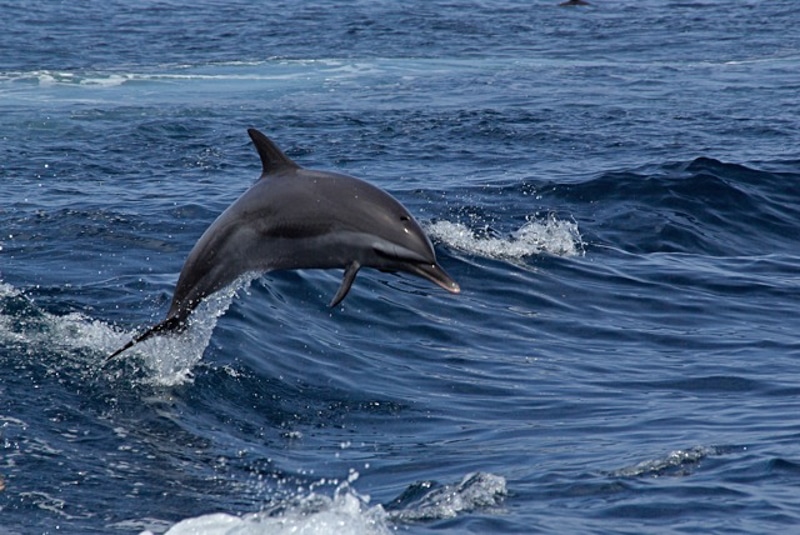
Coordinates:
[348,512]
[549,235]
[165,360]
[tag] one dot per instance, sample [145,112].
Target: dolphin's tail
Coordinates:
[172,324]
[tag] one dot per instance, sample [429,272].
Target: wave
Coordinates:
[112,79]
[170,359]
[676,463]
[536,236]
[277,68]
[271,70]
[25,326]
[159,361]
[702,206]
[348,512]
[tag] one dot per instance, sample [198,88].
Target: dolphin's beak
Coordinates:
[435,274]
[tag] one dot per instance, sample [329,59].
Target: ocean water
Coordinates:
[615,187]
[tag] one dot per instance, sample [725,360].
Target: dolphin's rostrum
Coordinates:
[296,218]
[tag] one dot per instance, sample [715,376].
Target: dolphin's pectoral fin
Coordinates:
[171,324]
[347,281]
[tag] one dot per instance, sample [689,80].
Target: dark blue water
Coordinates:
[616,188]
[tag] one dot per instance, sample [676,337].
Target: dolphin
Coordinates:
[297,218]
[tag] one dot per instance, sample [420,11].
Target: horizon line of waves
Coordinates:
[549,235]
[348,512]
[48,78]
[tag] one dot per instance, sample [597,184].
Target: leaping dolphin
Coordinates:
[296,218]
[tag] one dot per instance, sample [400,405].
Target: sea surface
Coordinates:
[616,188]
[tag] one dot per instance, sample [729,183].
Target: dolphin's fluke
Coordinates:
[171,324]
[347,281]
[272,158]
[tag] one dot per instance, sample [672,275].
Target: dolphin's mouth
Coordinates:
[435,274]
[404,259]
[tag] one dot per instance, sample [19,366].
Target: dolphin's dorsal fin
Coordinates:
[350,273]
[272,159]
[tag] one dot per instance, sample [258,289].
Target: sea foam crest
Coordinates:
[676,463]
[168,360]
[478,490]
[536,236]
[348,512]
[344,514]
[23,323]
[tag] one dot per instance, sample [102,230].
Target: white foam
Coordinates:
[479,490]
[29,326]
[343,515]
[676,463]
[536,236]
[110,80]
[50,78]
[348,512]
[7,290]
[168,360]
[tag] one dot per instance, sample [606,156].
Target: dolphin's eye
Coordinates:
[405,218]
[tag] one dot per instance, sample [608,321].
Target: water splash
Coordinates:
[343,514]
[477,490]
[536,236]
[348,512]
[167,360]
[676,463]
[171,358]
[25,325]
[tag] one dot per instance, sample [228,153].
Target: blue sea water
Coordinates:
[615,187]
